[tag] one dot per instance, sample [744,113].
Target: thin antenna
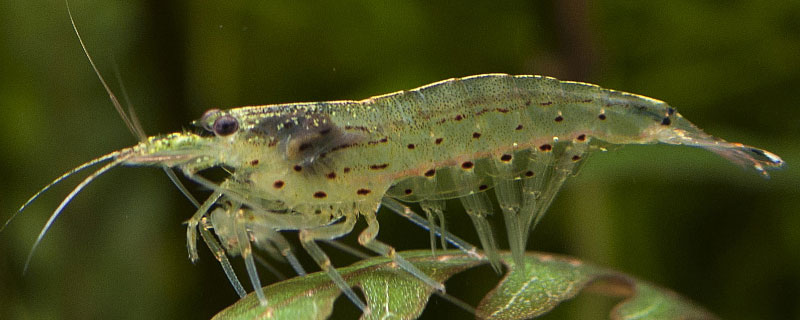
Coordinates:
[131,126]
[130,118]
[66,201]
[56,181]
[137,130]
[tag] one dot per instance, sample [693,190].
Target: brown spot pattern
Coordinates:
[379,166]
[529,173]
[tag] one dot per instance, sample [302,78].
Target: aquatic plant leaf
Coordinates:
[523,293]
[390,291]
[549,280]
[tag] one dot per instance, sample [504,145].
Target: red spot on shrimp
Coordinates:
[331,175]
[505,158]
[576,158]
[320,195]
[346,170]
[379,166]
[411,146]
[559,119]
[439,140]
[476,135]
[519,127]
[483,187]
[254,162]
[278,184]
[547,103]
[581,137]
[430,173]
[459,117]
[545,147]
[467,165]
[363,192]
[529,173]
[408,191]
[298,168]
[602,116]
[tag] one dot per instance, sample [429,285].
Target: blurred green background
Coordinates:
[679,217]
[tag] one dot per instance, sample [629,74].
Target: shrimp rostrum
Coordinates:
[317,167]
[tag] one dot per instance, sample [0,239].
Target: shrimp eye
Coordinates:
[225,125]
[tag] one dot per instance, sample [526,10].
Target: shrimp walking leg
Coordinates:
[219,253]
[264,236]
[243,240]
[414,217]
[199,222]
[367,239]
[191,225]
[330,232]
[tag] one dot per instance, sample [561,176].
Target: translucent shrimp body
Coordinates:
[316,167]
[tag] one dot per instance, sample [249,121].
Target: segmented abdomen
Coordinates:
[462,136]
[445,140]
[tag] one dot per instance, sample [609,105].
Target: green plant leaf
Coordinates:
[525,293]
[549,280]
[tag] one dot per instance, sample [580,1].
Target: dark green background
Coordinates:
[680,217]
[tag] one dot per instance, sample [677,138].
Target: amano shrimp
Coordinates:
[317,167]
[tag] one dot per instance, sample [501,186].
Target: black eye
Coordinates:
[225,125]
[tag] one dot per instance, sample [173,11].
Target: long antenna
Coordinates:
[130,119]
[66,201]
[56,181]
[131,126]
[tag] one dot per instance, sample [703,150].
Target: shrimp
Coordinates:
[317,167]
